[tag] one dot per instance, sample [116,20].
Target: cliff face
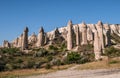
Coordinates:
[74,34]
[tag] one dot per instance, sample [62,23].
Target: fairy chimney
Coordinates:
[97,48]
[69,36]
[99,27]
[40,38]
[25,39]
[77,36]
[84,33]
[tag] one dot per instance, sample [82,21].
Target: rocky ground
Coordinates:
[74,73]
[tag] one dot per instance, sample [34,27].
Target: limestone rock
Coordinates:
[6,44]
[84,33]
[69,36]
[99,27]
[25,39]
[40,38]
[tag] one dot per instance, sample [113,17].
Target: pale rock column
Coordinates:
[84,33]
[56,33]
[6,44]
[97,48]
[46,39]
[119,29]
[107,35]
[69,36]
[32,38]
[40,38]
[77,36]
[89,35]
[25,39]
[99,27]
[15,43]
[20,39]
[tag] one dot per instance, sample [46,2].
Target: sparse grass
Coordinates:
[99,65]
[28,72]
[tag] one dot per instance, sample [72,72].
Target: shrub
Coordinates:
[56,62]
[9,50]
[9,67]
[63,47]
[48,66]
[73,57]
[41,53]
[112,52]
[28,64]
[19,60]
[49,58]
[52,52]
[51,47]
[113,62]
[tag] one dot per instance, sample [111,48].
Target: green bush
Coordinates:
[56,61]
[28,64]
[19,60]
[112,52]
[41,53]
[48,66]
[63,47]
[9,50]
[113,62]
[51,47]
[49,58]
[73,57]
[9,67]
[52,52]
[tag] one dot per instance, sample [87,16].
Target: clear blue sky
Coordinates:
[16,14]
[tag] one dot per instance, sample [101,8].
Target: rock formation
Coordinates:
[25,39]
[69,36]
[84,33]
[97,47]
[98,35]
[32,38]
[90,35]
[56,33]
[6,44]
[20,40]
[40,38]
[99,27]
[77,36]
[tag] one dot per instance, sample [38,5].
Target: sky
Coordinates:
[15,15]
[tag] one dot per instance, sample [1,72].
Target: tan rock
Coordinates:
[97,48]
[69,36]
[6,44]
[40,38]
[99,27]
[25,39]
[77,36]
[84,33]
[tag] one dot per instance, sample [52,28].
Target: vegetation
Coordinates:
[41,58]
[13,58]
[75,57]
[112,52]
[99,65]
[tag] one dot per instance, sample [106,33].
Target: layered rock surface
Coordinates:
[74,34]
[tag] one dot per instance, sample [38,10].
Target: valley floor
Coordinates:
[75,73]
